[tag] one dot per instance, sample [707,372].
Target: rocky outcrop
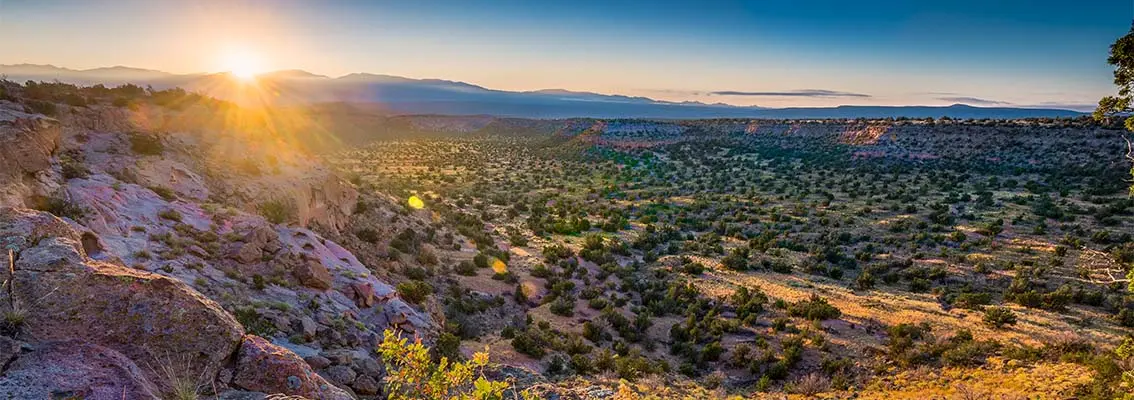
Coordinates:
[21,229]
[75,369]
[154,236]
[28,144]
[313,195]
[143,315]
[312,274]
[265,367]
[327,202]
[63,295]
[863,134]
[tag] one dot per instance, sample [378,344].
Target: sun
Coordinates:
[243,65]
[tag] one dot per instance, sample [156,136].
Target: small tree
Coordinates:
[997,317]
[412,375]
[1122,58]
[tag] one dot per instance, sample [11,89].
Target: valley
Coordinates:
[814,257]
[165,244]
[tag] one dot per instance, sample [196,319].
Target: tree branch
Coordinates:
[1129,148]
[1100,268]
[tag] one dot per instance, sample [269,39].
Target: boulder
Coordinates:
[366,386]
[247,253]
[27,144]
[305,326]
[313,274]
[369,366]
[251,248]
[363,294]
[318,362]
[340,375]
[22,228]
[146,317]
[265,367]
[75,369]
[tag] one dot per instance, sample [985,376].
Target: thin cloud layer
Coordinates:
[973,100]
[792,93]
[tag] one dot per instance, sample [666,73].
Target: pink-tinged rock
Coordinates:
[265,367]
[27,143]
[247,253]
[18,227]
[167,172]
[363,294]
[145,316]
[313,274]
[114,209]
[75,369]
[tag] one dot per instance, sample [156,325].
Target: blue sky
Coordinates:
[772,53]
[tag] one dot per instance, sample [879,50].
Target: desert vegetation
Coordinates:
[770,255]
[702,258]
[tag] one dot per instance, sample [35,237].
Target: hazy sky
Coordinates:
[771,53]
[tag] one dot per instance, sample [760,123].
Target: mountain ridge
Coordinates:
[402,95]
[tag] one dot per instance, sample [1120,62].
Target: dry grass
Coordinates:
[1040,381]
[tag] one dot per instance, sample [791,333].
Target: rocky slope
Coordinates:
[171,251]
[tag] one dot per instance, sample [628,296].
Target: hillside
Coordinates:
[168,254]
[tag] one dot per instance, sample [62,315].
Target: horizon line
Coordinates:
[1000,105]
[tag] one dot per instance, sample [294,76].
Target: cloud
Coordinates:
[674,92]
[973,100]
[792,93]
[1081,107]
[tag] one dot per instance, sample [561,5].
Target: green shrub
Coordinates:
[414,291]
[368,235]
[525,342]
[448,346]
[163,192]
[997,317]
[968,353]
[465,268]
[865,281]
[563,306]
[146,144]
[693,268]
[814,308]
[972,301]
[276,211]
[42,107]
[253,322]
[62,208]
[73,169]
[170,214]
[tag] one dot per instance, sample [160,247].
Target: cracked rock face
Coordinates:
[265,367]
[75,369]
[147,318]
[27,144]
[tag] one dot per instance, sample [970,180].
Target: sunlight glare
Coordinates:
[242,64]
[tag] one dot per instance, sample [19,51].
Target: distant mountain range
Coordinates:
[399,95]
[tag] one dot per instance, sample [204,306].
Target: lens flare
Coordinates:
[416,203]
[499,266]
